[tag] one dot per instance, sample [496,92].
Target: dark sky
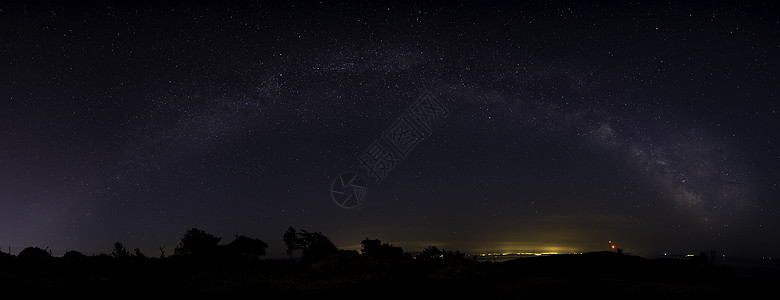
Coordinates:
[568,125]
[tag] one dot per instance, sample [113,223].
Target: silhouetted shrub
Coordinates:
[246,248]
[34,255]
[380,257]
[315,245]
[197,243]
[74,255]
[430,254]
[138,253]
[444,262]
[120,251]
[318,247]
[375,249]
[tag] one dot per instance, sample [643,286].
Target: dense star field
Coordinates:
[567,125]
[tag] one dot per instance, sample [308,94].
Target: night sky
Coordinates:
[562,126]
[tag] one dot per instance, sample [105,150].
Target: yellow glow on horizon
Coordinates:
[527,253]
[524,247]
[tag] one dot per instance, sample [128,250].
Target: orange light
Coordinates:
[613,246]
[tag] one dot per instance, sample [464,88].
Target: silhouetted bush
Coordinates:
[74,256]
[430,254]
[318,247]
[120,251]
[34,255]
[382,257]
[375,249]
[432,259]
[138,254]
[197,243]
[315,245]
[246,248]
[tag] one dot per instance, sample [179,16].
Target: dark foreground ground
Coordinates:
[606,275]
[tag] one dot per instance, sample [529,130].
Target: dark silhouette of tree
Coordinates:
[74,255]
[443,262]
[315,245]
[370,246]
[162,251]
[292,241]
[375,249]
[378,257]
[430,253]
[246,247]
[138,253]
[120,251]
[34,255]
[197,243]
